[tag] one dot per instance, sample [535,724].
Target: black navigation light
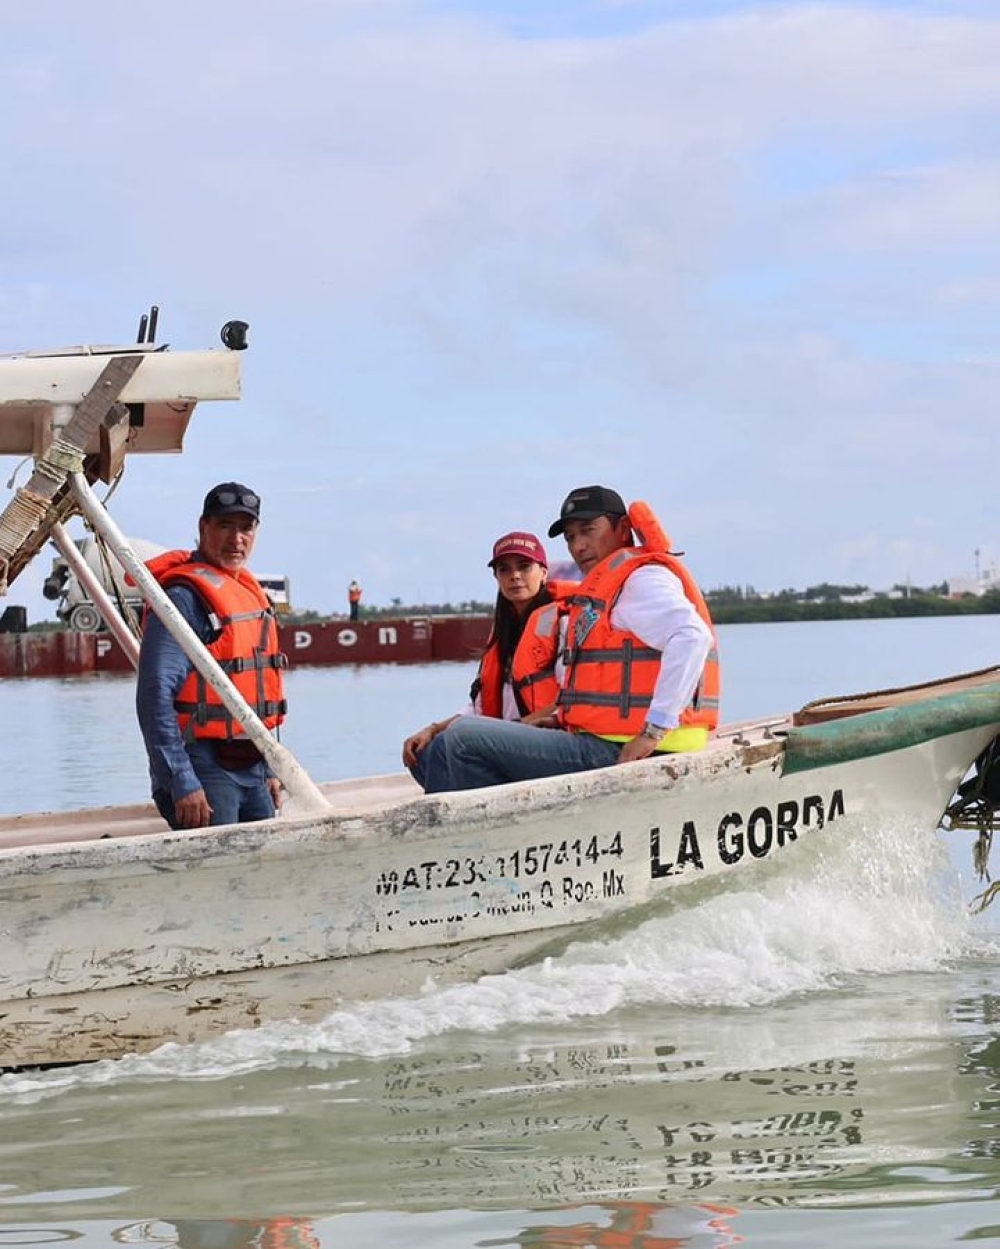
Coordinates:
[234,335]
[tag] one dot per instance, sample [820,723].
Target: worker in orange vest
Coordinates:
[203,768]
[354,598]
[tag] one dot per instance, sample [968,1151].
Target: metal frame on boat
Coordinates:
[120,935]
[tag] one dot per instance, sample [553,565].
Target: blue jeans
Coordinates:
[235,797]
[476,751]
[429,762]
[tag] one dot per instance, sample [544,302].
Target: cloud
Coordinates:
[736,259]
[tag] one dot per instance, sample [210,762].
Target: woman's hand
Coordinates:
[419,742]
[416,743]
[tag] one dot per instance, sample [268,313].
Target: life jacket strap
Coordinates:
[260,613]
[257,663]
[205,713]
[589,698]
[533,678]
[700,701]
[618,653]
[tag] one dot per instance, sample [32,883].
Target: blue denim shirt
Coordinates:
[163,669]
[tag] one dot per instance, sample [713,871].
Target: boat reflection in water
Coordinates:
[607,1139]
[623,1224]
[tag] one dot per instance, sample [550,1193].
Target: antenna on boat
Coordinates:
[147,325]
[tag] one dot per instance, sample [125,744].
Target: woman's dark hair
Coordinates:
[506,632]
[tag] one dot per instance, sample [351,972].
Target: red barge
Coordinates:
[422,639]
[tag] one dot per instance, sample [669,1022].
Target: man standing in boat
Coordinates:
[354,599]
[628,660]
[203,769]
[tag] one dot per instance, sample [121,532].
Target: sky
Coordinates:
[740,260]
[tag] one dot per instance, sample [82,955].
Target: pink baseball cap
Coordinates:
[524,544]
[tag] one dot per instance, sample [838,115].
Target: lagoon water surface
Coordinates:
[811,1060]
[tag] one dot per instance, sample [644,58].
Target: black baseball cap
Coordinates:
[230,497]
[587,503]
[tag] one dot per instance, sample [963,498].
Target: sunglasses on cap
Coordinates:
[227,498]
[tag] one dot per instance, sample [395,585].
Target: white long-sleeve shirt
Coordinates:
[654,607]
[509,708]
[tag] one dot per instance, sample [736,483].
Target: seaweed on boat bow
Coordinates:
[975,807]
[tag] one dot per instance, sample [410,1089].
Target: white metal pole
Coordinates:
[300,786]
[90,581]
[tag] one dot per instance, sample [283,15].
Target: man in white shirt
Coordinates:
[652,621]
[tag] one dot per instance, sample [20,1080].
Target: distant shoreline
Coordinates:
[783,611]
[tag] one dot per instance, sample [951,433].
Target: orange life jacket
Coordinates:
[488,685]
[354,594]
[533,671]
[246,648]
[610,674]
[489,682]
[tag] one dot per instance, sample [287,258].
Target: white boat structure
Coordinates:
[119,935]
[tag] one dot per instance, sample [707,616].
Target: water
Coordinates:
[810,1060]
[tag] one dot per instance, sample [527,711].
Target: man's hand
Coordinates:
[543,718]
[640,747]
[193,811]
[277,791]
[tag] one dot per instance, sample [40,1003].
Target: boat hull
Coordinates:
[121,943]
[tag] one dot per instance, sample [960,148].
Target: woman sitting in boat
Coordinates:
[638,671]
[521,569]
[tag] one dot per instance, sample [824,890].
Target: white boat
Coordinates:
[119,935]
